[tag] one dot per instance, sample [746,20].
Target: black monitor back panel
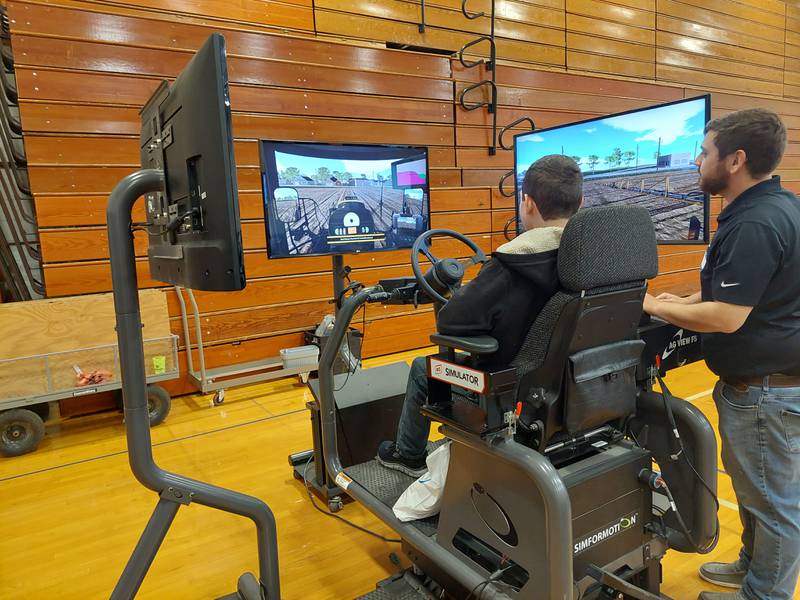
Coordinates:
[194,228]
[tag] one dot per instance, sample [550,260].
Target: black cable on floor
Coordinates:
[342,519]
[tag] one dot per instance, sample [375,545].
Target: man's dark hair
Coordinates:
[757,131]
[555,183]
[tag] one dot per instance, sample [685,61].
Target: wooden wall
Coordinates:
[321,71]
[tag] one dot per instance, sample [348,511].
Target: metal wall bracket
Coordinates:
[491,107]
[502,183]
[511,126]
[491,104]
[470,15]
[491,65]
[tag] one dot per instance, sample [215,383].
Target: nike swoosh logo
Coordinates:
[723,284]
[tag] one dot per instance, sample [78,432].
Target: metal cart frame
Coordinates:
[219,378]
[74,392]
[22,428]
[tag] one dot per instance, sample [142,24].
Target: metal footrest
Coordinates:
[387,485]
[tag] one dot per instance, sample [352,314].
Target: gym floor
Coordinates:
[73,512]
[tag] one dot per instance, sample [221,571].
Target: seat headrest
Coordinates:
[606,246]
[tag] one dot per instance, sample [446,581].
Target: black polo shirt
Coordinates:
[754,260]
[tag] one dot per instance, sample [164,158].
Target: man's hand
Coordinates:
[666,297]
[705,317]
[651,303]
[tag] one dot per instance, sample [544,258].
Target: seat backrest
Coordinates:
[576,366]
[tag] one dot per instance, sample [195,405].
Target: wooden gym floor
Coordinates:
[72,511]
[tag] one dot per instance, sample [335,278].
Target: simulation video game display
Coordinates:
[336,199]
[643,157]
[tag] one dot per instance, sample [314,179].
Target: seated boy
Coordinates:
[502,301]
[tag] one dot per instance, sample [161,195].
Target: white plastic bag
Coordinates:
[423,498]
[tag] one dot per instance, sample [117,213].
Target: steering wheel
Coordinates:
[444,273]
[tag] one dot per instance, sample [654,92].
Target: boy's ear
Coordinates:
[529,201]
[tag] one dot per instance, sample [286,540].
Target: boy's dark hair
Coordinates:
[555,183]
[757,131]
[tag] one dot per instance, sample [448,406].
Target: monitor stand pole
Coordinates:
[339,274]
[174,490]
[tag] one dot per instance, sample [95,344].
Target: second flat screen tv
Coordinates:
[336,199]
[643,157]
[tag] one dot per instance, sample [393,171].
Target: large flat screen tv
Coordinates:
[193,226]
[642,157]
[336,199]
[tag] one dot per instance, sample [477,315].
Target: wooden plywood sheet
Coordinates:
[71,323]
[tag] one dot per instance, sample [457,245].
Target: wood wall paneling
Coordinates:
[85,68]
[615,38]
[721,45]
[791,71]
[397,21]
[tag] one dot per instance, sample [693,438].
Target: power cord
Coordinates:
[342,519]
[493,578]
[354,365]
[680,451]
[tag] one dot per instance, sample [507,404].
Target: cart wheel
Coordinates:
[43,410]
[304,377]
[219,398]
[335,504]
[21,430]
[158,404]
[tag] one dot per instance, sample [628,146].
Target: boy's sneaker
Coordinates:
[724,574]
[389,456]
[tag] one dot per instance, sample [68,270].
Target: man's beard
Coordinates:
[716,182]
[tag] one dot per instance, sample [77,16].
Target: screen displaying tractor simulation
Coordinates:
[335,199]
[643,157]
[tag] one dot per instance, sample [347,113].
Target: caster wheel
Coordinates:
[335,504]
[159,404]
[219,398]
[304,377]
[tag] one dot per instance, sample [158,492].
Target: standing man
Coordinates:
[749,310]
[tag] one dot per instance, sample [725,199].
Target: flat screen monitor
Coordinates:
[343,198]
[642,157]
[193,226]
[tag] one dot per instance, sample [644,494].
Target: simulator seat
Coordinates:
[576,368]
[552,430]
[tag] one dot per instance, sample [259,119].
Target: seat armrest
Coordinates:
[479,344]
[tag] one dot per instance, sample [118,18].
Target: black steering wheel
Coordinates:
[445,274]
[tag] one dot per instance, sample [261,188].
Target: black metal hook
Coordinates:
[506,227]
[510,126]
[422,16]
[502,183]
[468,14]
[492,104]
[480,61]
